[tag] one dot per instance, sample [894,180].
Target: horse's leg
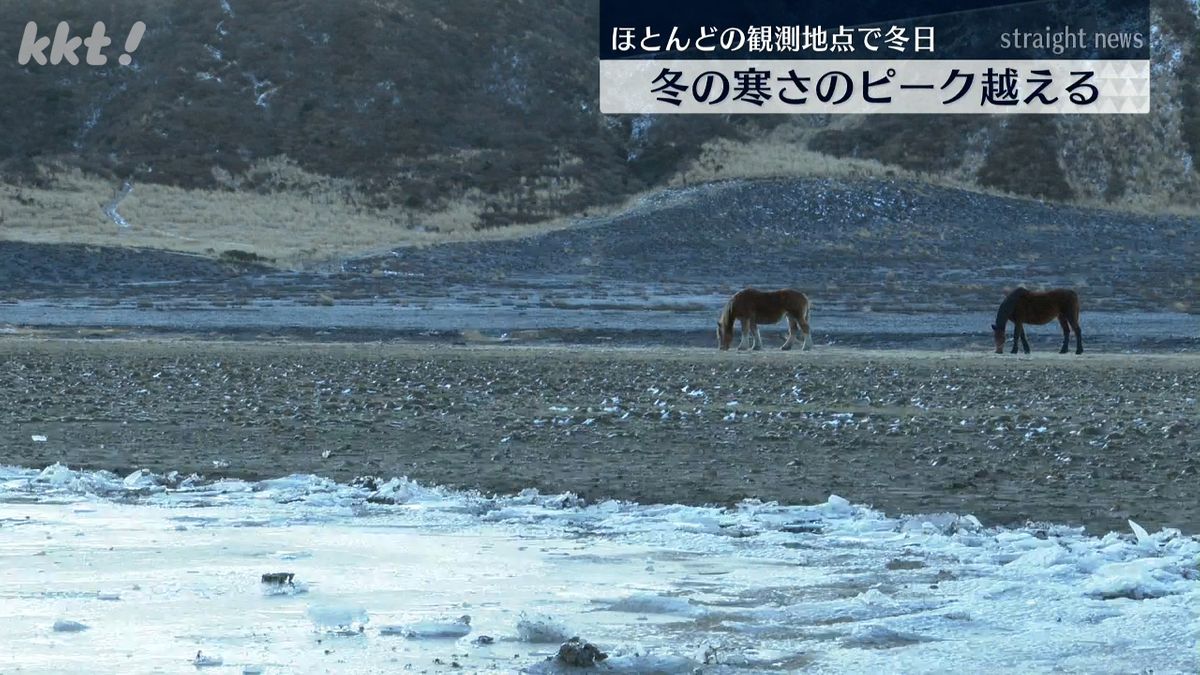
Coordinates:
[1016,335]
[1078,337]
[1066,329]
[755,337]
[804,332]
[1024,342]
[791,336]
[745,324]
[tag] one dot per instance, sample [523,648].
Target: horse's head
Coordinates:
[998,336]
[724,337]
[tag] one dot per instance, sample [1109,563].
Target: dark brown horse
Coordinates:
[751,307]
[1023,306]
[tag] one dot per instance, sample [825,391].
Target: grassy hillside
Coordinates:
[301,130]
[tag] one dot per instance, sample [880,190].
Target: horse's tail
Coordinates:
[807,307]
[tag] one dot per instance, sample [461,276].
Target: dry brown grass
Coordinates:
[300,221]
[303,220]
[784,153]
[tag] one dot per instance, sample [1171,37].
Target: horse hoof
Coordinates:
[1078,352]
[785,348]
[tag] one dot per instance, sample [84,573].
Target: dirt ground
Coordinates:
[1090,440]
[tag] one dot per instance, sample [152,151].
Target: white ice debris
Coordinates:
[202,660]
[890,594]
[431,629]
[1138,580]
[836,505]
[647,603]
[399,491]
[874,636]
[876,598]
[1143,537]
[541,629]
[338,618]
[69,626]
[141,480]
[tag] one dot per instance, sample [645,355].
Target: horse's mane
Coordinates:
[726,319]
[1006,307]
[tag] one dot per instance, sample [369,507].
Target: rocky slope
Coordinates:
[418,104]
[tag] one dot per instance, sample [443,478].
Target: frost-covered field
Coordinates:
[147,573]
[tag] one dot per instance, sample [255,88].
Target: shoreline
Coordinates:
[1091,440]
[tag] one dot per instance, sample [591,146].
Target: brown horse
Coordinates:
[751,307]
[1023,306]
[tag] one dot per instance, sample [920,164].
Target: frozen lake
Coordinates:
[102,573]
[681,318]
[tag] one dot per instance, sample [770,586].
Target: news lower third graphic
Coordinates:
[874,56]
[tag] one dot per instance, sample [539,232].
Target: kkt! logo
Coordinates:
[63,47]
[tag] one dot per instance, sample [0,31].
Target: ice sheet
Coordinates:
[147,573]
